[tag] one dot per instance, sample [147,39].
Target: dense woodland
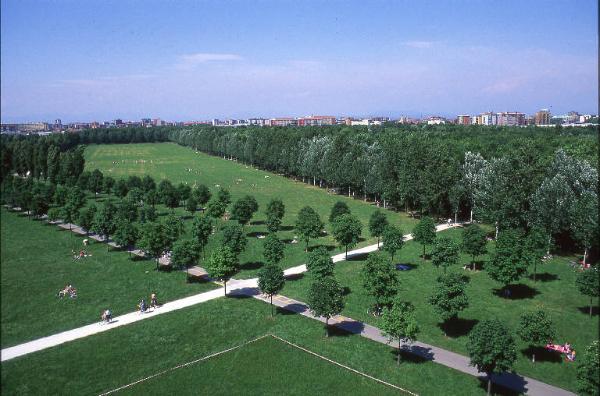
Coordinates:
[508,177]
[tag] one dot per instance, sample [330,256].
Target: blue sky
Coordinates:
[193,60]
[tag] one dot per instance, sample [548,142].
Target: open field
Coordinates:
[37,263]
[555,292]
[254,365]
[170,161]
[97,364]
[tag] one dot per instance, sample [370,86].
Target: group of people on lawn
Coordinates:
[68,290]
[566,349]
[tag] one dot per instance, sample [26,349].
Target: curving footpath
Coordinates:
[249,287]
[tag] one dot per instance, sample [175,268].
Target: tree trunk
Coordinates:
[455,217]
[585,253]
[272,306]
[346,252]
[348,192]
[225,286]
[591,305]
[377,242]
[384,203]
[473,264]
[533,357]
[471,216]
[157,263]
[326,327]
[534,270]
[497,230]
[398,356]
[489,387]
[423,252]
[549,241]
[306,250]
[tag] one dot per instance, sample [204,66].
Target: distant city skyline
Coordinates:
[86,61]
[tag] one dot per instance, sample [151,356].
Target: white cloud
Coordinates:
[190,61]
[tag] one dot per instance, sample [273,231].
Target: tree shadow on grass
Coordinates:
[257,222]
[458,327]
[586,310]
[292,309]
[516,292]
[197,279]
[542,354]
[346,290]
[411,354]
[328,247]
[286,228]
[544,277]
[251,265]
[255,234]
[294,277]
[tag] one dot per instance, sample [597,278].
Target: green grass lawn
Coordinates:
[555,292]
[118,357]
[37,263]
[253,366]
[171,161]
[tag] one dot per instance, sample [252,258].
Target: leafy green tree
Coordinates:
[393,240]
[104,221]
[243,209]
[83,180]
[191,205]
[222,265]
[86,217]
[60,195]
[53,214]
[474,175]
[53,163]
[147,214]
[127,210]
[95,182]
[169,196]
[135,196]
[380,280]
[201,193]
[120,189]
[536,328]
[377,224]
[183,192]
[275,213]
[450,297]
[584,222]
[151,198]
[588,371]
[424,232]
[107,184]
[39,205]
[216,209]
[270,281]
[319,263]
[174,228]
[445,253]
[308,224]
[153,240]
[491,348]
[234,237]
[201,231]
[148,184]
[346,230]
[126,234]
[399,324]
[185,254]
[474,242]
[325,298]
[224,196]
[76,198]
[273,249]
[134,181]
[587,282]
[338,209]
[508,263]
[536,246]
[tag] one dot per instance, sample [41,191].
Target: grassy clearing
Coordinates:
[37,263]
[254,365]
[555,292]
[172,162]
[97,364]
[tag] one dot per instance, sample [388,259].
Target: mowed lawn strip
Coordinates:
[121,356]
[174,162]
[555,292]
[37,263]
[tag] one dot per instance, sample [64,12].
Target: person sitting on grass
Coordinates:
[153,300]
